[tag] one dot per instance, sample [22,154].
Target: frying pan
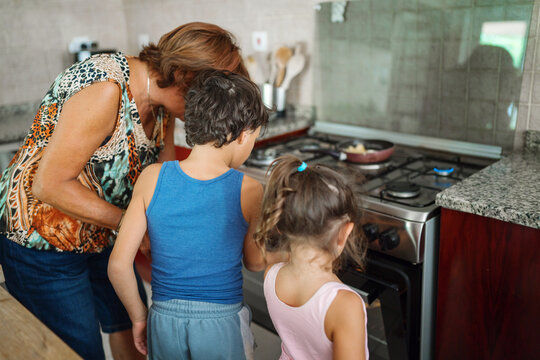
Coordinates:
[376,151]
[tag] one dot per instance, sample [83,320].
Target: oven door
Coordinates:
[254,298]
[391,291]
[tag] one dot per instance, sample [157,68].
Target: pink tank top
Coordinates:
[301,328]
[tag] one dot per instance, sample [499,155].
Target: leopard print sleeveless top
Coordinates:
[110,172]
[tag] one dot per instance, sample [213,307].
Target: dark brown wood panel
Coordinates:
[488,301]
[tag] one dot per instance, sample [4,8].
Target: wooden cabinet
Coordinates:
[488,298]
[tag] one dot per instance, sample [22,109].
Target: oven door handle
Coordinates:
[370,291]
[367,286]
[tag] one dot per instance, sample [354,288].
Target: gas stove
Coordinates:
[397,195]
[401,222]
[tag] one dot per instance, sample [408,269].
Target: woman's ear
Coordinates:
[344,233]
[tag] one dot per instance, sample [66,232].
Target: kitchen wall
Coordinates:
[34,37]
[425,68]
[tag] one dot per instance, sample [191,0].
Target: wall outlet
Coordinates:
[144,39]
[259,40]
[76,43]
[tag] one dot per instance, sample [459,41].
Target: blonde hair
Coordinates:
[309,207]
[190,48]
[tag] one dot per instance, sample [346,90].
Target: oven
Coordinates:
[401,223]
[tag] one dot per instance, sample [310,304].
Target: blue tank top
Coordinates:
[197,231]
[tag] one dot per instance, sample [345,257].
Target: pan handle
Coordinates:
[336,154]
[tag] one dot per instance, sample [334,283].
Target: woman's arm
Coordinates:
[120,269]
[252,193]
[345,326]
[87,118]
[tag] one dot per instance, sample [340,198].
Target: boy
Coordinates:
[200,214]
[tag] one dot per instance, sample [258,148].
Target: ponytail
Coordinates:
[309,205]
[268,236]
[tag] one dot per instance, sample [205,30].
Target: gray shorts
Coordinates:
[182,329]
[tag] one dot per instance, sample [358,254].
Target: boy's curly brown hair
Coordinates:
[219,106]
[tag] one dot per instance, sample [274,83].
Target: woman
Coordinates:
[63,195]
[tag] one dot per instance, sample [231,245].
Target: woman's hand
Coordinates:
[139,336]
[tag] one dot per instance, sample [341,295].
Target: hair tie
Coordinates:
[302,167]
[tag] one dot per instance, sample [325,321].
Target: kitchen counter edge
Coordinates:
[508,190]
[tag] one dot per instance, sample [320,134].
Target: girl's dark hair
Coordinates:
[219,106]
[309,207]
[190,48]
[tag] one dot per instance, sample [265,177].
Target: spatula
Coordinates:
[294,66]
[283,54]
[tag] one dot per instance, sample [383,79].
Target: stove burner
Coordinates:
[310,146]
[443,171]
[371,166]
[262,157]
[402,189]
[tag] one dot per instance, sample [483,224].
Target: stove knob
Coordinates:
[389,239]
[371,231]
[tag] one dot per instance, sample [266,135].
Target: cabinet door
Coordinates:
[488,300]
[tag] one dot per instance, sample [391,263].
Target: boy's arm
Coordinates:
[252,194]
[120,268]
[345,325]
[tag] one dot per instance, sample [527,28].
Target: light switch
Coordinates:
[260,40]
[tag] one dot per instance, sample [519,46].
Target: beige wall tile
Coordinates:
[49,26]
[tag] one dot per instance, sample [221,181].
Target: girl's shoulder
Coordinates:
[346,309]
[346,319]
[348,297]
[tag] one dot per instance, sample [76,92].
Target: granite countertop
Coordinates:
[284,125]
[508,190]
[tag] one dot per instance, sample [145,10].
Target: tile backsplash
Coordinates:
[37,51]
[448,69]
[427,94]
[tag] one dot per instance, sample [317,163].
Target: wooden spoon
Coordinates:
[294,66]
[283,54]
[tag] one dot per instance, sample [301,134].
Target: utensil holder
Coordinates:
[274,98]
[280,97]
[267,94]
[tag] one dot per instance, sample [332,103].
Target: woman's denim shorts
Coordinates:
[70,293]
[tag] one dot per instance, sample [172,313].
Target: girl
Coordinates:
[312,214]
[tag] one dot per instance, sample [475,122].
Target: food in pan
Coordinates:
[356,149]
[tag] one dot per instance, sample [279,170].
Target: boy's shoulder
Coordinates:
[251,185]
[149,174]
[151,170]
